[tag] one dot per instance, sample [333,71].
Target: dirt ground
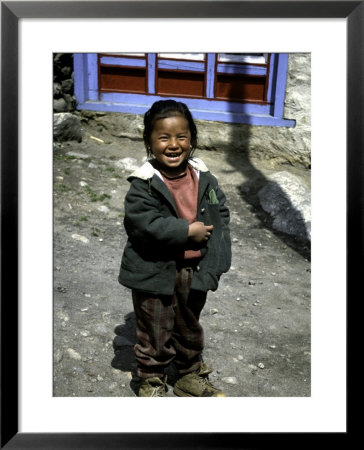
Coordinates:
[257,324]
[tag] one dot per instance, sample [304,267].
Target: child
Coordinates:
[178,246]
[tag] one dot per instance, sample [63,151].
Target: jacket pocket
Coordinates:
[212,197]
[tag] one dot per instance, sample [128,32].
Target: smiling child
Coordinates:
[178,246]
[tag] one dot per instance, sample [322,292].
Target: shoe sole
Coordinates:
[181,393]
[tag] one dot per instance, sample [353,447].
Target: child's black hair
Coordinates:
[163,109]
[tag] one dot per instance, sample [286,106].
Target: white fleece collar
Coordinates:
[147,171]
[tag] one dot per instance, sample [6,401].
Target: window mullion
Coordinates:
[151,58]
[210,74]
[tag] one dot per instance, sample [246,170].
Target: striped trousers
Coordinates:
[168,328]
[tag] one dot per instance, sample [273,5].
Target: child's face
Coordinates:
[170,144]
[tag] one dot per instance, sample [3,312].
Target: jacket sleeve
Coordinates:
[144,222]
[224,211]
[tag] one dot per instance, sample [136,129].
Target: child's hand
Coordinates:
[199,232]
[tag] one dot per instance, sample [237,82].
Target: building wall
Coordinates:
[278,144]
[281,145]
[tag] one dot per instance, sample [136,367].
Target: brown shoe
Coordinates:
[153,387]
[197,384]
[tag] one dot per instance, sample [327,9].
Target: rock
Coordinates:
[66,126]
[78,237]
[83,183]
[214,311]
[73,354]
[101,330]
[288,202]
[67,86]
[128,164]
[261,365]
[58,356]
[60,105]
[57,90]
[103,209]
[61,289]
[113,386]
[229,380]
[78,155]
[63,316]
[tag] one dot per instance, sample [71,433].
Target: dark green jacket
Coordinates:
[156,234]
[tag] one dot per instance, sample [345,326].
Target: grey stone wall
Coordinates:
[63,86]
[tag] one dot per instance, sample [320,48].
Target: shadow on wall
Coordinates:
[238,155]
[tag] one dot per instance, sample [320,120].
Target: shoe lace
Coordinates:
[158,391]
[203,379]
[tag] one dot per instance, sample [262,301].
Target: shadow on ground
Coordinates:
[238,156]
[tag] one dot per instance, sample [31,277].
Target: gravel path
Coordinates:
[257,324]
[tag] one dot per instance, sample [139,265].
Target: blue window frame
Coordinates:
[206,91]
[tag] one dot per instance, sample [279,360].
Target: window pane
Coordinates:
[256,58]
[189,56]
[126,54]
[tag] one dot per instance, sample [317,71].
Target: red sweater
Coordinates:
[184,190]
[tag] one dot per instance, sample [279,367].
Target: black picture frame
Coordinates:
[11,12]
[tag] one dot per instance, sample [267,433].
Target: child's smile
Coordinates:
[170,144]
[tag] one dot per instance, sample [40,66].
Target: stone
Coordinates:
[101,330]
[230,380]
[67,85]
[58,356]
[128,164]
[66,126]
[60,105]
[57,90]
[78,155]
[288,201]
[103,209]
[73,354]
[80,238]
